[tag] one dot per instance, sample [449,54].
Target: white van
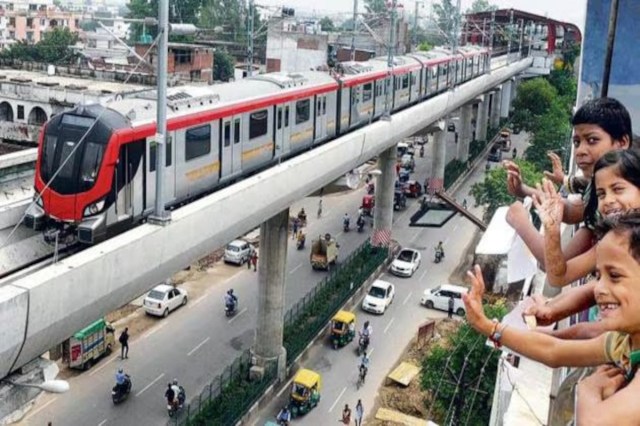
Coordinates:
[237,251]
[438,298]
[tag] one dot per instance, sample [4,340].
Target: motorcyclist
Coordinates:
[284,416]
[302,215]
[365,334]
[230,300]
[177,390]
[346,220]
[440,249]
[421,151]
[360,222]
[170,395]
[121,380]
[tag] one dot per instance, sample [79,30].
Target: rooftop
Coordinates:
[9,76]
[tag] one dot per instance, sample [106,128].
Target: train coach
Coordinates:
[96,165]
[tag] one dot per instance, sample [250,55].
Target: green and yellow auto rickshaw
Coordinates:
[343,328]
[305,392]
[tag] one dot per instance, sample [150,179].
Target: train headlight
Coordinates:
[94,208]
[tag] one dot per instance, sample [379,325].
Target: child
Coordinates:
[599,126]
[617,293]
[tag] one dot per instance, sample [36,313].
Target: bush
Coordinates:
[452,171]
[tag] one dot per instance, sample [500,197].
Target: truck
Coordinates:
[88,345]
[324,252]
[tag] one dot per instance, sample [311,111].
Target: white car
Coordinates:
[407,262]
[379,297]
[237,251]
[163,299]
[438,298]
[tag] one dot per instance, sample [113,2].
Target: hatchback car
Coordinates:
[163,299]
[379,297]
[237,252]
[406,263]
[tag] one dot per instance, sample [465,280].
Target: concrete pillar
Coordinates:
[506,99]
[271,285]
[385,188]
[465,132]
[514,88]
[439,161]
[483,118]
[495,108]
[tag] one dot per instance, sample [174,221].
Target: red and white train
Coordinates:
[216,135]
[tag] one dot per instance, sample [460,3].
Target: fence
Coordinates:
[225,400]
[307,317]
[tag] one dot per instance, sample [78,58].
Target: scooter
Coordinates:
[231,310]
[120,393]
[360,225]
[439,256]
[175,407]
[345,226]
[363,344]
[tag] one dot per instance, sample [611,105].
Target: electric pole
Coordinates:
[491,30]
[456,28]
[353,30]
[510,35]
[160,215]
[250,39]
[415,26]
[390,54]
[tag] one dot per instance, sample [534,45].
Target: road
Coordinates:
[196,342]
[393,330]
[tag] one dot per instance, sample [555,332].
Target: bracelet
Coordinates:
[496,336]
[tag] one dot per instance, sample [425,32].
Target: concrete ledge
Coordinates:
[74,292]
[266,398]
[18,157]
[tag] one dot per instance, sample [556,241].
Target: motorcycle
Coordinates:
[345,226]
[231,310]
[120,392]
[439,256]
[363,344]
[360,225]
[178,403]
[300,241]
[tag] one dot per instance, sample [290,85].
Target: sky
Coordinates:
[572,11]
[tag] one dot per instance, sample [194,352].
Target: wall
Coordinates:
[296,51]
[624,83]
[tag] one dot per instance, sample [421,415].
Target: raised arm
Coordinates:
[569,302]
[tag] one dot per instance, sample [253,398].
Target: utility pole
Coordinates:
[491,30]
[250,39]
[484,31]
[353,30]
[415,26]
[510,36]
[456,28]
[390,54]
[532,27]
[160,215]
[521,38]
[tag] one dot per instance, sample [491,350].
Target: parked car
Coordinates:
[163,299]
[495,154]
[379,297]
[406,263]
[237,251]
[438,298]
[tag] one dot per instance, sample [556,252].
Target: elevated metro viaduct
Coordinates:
[41,310]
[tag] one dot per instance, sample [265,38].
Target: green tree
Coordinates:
[460,375]
[55,45]
[534,98]
[326,24]
[223,66]
[446,14]
[424,46]
[230,15]
[552,133]
[375,7]
[492,191]
[481,6]
[180,11]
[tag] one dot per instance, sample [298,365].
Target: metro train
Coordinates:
[217,134]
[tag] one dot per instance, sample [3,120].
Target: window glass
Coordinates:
[324,105]
[49,151]
[197,142]
[91,164]
[405,81]
[303,108]
[279,118]
[318,108]
[66,170]
[227,134]
[286,116]
[152,155]
[366,92]
[236,131]
[258,125]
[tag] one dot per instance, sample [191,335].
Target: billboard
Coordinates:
[624,82]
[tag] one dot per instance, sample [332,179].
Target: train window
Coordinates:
[413,79]
[152,154]
[227,134]
[324,105]
[319,108]
[405,81]
[279,118]
[286,116]
[258,125]
[91,164]
[236,131]
[303,108]
[197,142]
[366,92]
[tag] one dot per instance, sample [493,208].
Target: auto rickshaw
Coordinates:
[368,201]
[343,328]
[305,392]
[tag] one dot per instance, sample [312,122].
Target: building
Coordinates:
[372,38]
[28,99]
[186,62]
[291,48]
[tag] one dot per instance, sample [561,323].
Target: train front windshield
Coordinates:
[70,155]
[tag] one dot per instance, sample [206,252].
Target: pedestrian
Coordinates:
[296,223]
[251,250]
[320,208]
[359,413]
[254,260]
[346,415]
[124,342]
[451,302]
[514,153]
[464,204]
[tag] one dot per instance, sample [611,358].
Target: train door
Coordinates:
[169,173]
[355,101]
[226,150]
[321,117]
[379,97]
[282,130]
[236,135]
